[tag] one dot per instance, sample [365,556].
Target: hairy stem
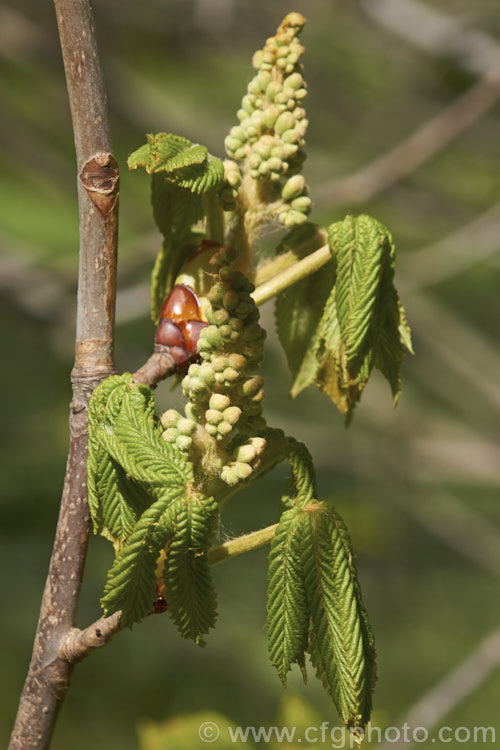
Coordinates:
[241,544]
[49,675]
[296,271]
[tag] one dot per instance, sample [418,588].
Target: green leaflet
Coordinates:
[190,590]
[128,461]
[298,312]
[340,640]
[180,174]
[346,319]
[301,488]
[131,581]
[104,408]
[287,613]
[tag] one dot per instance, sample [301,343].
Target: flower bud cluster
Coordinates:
[178,430]
[225,393]
[270,136]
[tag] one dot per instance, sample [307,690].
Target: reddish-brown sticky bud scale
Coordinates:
[160,603]
[179,328]
[168,334]
[192,330]
[181,305]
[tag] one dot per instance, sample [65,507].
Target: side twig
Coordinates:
[49,675]
[78,644]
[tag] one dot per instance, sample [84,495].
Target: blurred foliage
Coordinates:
[418,486]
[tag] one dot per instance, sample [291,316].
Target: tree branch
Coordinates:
[49,675]
[77,644]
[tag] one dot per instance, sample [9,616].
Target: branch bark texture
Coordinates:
[49,675]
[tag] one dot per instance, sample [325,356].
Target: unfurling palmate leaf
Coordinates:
[349,317]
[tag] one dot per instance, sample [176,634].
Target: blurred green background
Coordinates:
[417,486]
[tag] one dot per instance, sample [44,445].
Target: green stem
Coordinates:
[214,217]
[296,272]
[241,544]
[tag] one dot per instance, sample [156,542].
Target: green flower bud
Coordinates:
[229,476]
[295,81]
[247,104]
[285,122]
[242,470]
[227,275]
[275,164]
[263,146]
[170,418]
[244,309]
[291,136]
[263,80]
[207,374]
[170,435]
[268,57]
[212,335]
[230,301]
[235,336]
[232,144]
[221,317]
[240,153]
[219,363]
[219,402]
[290,149]
[292,218]
[245,453]
[230,375]
[258,443]
[223,429]
[264,169]
[231,170]
[191,412]
[211,429]
[254,160]
[197,386]
[302,204]
[186,426]
[216,294]
[253,332]
[300,94]
[231,414]
[269,116]
[251,386]
[241,115]
[237,362]
[293,187]
[184,442]
[254,173]
[273,89]
[213,416]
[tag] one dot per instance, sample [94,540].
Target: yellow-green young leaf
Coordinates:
[159,149]
[347,323]
[287,614]
[135,442]
[365,270]
[190,590]
[130,586]
[104,408]
[123,501]
[301,488]
[298,312]
[340,642]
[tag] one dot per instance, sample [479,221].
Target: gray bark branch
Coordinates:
[49,675]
